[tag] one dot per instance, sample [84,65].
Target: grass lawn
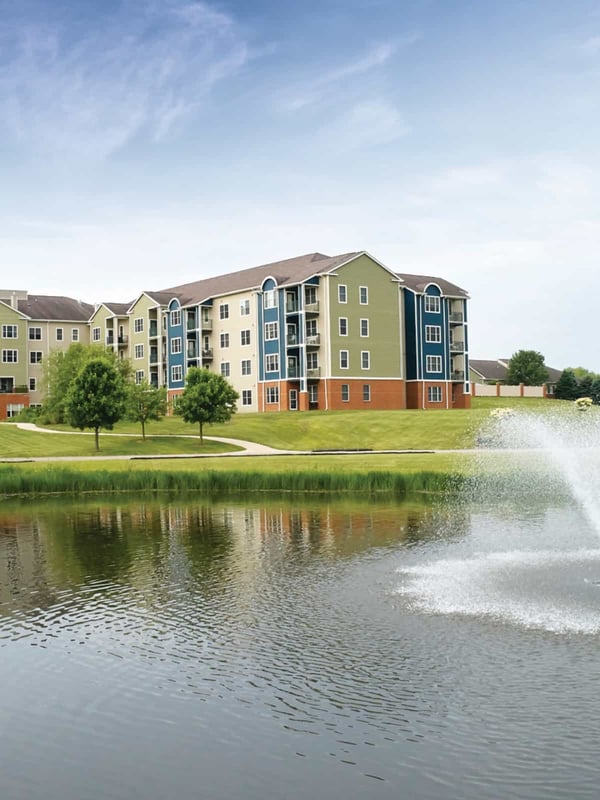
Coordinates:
[15,443]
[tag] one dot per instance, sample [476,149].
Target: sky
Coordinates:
[149,143]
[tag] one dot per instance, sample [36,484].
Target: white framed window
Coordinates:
[434,394]
[14,409]
[223,310]
[432,304]
[246,397]
[176,373]
[9,332]
[364,328]
[138,324]
[363,295]
[35,357]
[272,362]
[310,295]
[345,392]
[311,327]
[225,369]
[95,334]
[434,363]
[343,326]
[224,340]
[139,350]
[176,318]
[313,393]
[366,392]
[245,337]
[176,345]
[35,334]
[365,359]
[32,384]
[74,334]
[60,334]
[270,298]
[10,356]
[244,308]
[312,361]
[433,333]
[271,330]
[272,394]
[139,376]
[344,361]
[246,367]
[342,293]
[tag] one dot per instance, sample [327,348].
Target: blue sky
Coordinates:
[146,143]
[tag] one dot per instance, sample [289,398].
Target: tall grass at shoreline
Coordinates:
[15,481]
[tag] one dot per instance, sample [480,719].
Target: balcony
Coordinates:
[291,341]
[314,340]
[122,341]
[192,350]
[457,317]
[207,324]
[313,372]
[293,372]
[457,347]
[312,308]
[457,375]
[191,324]
[207,354]
[153,355]
[153,329]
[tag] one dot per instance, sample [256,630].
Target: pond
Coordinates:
[188,649]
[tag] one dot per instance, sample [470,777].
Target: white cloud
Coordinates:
[65,89]
[368,124]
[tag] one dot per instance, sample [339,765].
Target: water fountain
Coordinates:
[532,557]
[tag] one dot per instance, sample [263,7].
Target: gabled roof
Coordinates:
[289,271]
[418,283]
[496,370]
[118,309]
[48,307]
[489,370]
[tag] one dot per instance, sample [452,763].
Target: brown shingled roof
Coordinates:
[118,309]
[489,370]
[291,270]
[49,307]
[418,283]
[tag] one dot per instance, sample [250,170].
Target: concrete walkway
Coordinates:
[247,448]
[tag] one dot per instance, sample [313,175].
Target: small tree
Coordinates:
[566,387]
[527,366]
[145,403]
[96,397]
[595,391]
[60,369]
[207,399]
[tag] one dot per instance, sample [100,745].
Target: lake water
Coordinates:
[189,650]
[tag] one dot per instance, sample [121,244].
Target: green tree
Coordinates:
[145,403]
[566,387]
[585,386]
[595,391]
[527,366]
[60,369]
[96,397]
[207,399]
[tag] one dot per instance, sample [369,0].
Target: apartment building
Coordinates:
[31,326]
[310,332]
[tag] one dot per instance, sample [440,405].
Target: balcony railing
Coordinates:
[313,372]
[312,308]
[291,306]
[122,340]
[457,347]
[207,354]
[191,324]
[153,329]
[153,356]
[293,372]
[192,352]
[457,317]
[314,340]
[291,341]
[206,324]
[457,375]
